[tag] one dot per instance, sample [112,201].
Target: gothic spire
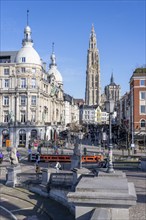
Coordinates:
[92,42]
[112,79]
[92,91]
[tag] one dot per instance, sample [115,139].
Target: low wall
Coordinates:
[60,195]
[143,163]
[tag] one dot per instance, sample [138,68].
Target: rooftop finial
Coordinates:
[112,78]
[92,30]
[27,16]
[53,47]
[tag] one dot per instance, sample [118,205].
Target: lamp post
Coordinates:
[80,138]
[110,108]
[132,124]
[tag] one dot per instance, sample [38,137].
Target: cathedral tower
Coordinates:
[92,92]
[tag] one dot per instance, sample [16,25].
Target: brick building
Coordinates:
[138,101]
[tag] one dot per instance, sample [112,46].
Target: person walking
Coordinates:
[37,158]
[58,167]
[18,155]
[1,157]
[37,170]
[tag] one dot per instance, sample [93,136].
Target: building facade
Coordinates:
[138,101]
[131,110]
[71,111]
[92,91]
[31,98]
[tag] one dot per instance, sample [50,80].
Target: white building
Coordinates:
[71,110]
[31,98]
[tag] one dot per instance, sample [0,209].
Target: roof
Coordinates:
[30,55]
[67,98]
[139,72]
[54,71]
[8,56]
[93,107]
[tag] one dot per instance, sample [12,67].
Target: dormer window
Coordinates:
[23,59]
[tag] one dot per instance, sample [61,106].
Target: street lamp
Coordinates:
[80,138]
[132,124]
[110,109]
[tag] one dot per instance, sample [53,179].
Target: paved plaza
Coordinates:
[135,175]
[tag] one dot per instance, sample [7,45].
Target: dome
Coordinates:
[28,54]
[54,71]
[27,29]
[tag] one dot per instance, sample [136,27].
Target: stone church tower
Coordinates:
[92,92]
[112,91]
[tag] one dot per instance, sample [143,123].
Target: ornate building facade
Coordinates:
[31,98]
[92,92]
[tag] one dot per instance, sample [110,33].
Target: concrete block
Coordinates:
[12,172]
[101,214]
[83,212]
[120,214]
[107,191]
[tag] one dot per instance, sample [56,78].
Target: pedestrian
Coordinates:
[58,167]
[37,158]
[39,149]
[29,154]
[1,157]
[18,155]
[37,170]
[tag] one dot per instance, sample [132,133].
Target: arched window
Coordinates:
[22,131]
[22,138]
[143,123]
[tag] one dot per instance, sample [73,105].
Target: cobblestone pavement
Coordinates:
[138,177]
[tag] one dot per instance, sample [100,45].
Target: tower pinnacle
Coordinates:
[27,16]
[53,58]
[92,92]
[112,78]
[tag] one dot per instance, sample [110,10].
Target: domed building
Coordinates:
[27,54]
[31,98]
[53,72]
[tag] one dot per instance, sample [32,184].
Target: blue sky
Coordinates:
[119,26]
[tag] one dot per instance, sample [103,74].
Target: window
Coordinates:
[23,69]
[143,109]
[6,71]
[6,100]
[23,100]
[33,116]
[143,123]
[33,83]
[6,116]
[23,83]
[22,116]
[33,100]
[143,95]
[142,82]
[33,70]
[6,83]
[23,59]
